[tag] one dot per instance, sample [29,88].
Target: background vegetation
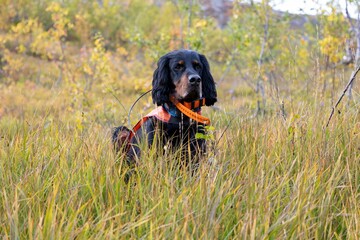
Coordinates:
[70,70]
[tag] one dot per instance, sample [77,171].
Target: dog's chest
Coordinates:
[180,132]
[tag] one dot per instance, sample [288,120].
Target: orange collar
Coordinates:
[195,104]
[186,107]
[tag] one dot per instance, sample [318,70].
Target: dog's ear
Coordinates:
[208,84]
[162,84]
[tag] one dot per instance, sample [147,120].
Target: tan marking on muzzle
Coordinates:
[181,87]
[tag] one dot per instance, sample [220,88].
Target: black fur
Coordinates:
[209,89]
[162,84]
[163,79]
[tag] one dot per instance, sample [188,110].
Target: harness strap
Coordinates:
[161,114]
[158,112]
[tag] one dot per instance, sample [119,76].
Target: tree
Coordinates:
[355,34]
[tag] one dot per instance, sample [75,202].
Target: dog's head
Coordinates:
[184,74]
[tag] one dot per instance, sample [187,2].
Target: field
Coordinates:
[272,171]
[268,177]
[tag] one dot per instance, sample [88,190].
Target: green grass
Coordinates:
[267,178]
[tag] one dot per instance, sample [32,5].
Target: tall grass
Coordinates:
[267,178]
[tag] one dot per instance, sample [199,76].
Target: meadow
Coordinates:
[272,169]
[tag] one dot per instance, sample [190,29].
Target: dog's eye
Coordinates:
[197,66]
[179,66]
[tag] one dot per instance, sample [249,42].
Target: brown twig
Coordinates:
[343,94]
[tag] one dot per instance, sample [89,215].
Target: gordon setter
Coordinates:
[182,84]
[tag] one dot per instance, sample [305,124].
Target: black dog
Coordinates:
[182,79]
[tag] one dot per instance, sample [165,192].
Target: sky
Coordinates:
[310,6]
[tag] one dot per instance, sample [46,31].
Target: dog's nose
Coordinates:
[194,79]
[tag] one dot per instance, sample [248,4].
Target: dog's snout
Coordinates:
[194,79]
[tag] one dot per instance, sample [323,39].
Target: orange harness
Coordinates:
[161,114]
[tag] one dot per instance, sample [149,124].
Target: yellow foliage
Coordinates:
[122,51]
[13,66]
[303,54]
[29,36]
[61,21]
[21,49]
[95,63]
[54,7]
[201,23]
[7,11]
[82,27]
[25,27]
[330,46]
